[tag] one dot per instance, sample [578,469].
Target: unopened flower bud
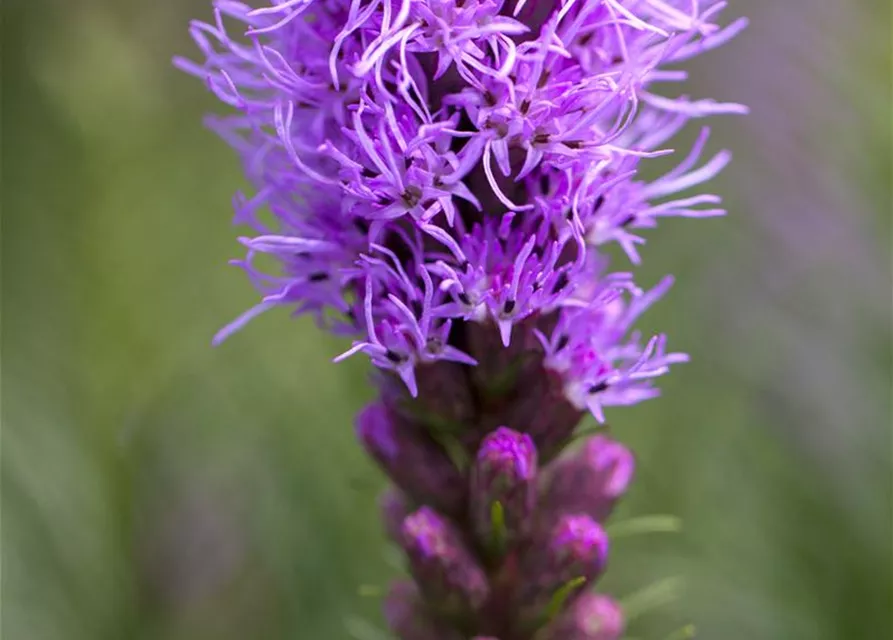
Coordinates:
[592,616]
[504,480]
[411,458]
[590,481]
[443,567]
[408,616]
[574,554]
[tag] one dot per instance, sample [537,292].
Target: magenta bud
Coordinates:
[393,508]
[411,458]
[504,472]
[590,481]
[408,616]
[591,617]
[574,554]
[441,564]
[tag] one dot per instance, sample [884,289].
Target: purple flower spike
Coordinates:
[437,181]
[573,555]
[409,618]
[442,566]
[411,458]
[590,481]
[505,472]
[592,616]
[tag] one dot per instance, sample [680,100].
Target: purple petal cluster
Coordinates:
[422,165]
[438,180]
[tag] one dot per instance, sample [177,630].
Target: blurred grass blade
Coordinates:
[643,525]
[652,597]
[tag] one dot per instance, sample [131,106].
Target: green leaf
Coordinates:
[556,604]
[645,524]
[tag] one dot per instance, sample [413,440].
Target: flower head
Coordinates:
[428,163]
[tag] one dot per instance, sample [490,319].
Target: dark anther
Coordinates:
[393,356]
[628,220]
[561,282]
[573,144]
[541,138]
[562,343]
[544,79]
[509,306]
[599,202]
[524,106]
[319,276]
[616,59]
[489,99]
[597,388]
[411,196]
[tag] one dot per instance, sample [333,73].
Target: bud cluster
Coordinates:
[507,545]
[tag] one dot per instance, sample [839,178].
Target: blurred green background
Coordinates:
[154,487]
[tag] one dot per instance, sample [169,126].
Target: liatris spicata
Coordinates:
[436,179]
